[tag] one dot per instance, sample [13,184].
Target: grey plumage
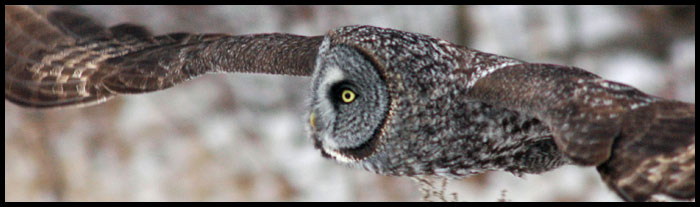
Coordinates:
[430,127]
[423,106]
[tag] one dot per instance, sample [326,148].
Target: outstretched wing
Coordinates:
[642,145]
[65,59]
[654,153]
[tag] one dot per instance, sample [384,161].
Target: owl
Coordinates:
[391,102]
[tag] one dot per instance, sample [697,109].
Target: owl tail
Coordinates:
[655,155]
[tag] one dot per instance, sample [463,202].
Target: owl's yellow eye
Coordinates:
[347,95]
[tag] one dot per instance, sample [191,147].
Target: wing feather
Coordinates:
[642,145]
[65,59]
[655,154]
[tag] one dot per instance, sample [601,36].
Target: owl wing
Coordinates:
[64,59]
[642,145]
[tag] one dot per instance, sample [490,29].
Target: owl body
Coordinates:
[431,128]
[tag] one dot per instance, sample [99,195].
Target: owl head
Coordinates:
[349,105]
[370,86]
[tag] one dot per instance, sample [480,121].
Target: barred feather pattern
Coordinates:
[449,110]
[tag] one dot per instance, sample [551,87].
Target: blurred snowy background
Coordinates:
[241,137]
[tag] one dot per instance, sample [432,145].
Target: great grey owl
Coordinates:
[391,102]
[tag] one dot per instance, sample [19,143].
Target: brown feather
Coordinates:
[65,59]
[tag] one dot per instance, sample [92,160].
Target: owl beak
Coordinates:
[312,119]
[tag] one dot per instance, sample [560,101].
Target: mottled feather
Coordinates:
[452,111]
[65,59]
